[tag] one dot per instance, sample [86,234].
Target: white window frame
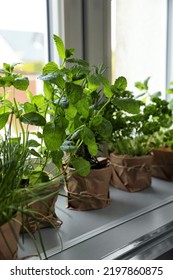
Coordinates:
[84,26]
[169,54]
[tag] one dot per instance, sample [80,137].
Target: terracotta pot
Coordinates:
[9,235]
[131,174]
[89,192]
[162,164]
[44,214]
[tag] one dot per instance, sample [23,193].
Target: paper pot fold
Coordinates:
[162,164]
[130,174]
[89,192]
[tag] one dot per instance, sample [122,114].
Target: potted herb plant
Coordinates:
[15,119]
[133,139]
[77,95]
[162,154]
[12,197]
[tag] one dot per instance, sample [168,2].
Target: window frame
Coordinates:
[169,52]
[77,23]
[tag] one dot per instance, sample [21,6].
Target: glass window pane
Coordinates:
[23,36]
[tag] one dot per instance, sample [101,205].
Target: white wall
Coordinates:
[141,41]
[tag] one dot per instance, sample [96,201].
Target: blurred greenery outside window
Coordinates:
[23,38]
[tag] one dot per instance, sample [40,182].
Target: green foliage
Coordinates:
[76,95]
[170,90]
[23,157]
[10,78]
[17,146]
[137,124]
[60,46]
[13,165]
[131,146]
[81,166]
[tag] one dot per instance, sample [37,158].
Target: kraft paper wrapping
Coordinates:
[131,174]
[89,192]
[9,235]
[44,214]
[162,164]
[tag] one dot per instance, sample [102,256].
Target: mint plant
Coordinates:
[76,95]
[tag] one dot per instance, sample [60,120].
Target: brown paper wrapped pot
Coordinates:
[89,192]
[162,164]
[44,214]
[9,235]
[130,174]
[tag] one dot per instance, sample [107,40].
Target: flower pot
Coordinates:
[89,192]
[9,235]
[162,164]
[131,174]
[42,214]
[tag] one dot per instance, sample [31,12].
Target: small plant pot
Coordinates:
[131,174]
[162,164]
[42,214]
[89,192]
[9,235]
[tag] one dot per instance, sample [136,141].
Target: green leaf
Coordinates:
[35,153]
[50,67]
[55,78]
[107,88]
[87,135]
[37,177]
[7,67]
[169,91]
[82,107]
[96,120]
[48,77]
[142,86]
[53,136]
[89,139]
[64,102]
[59,46]
[69,52]
[128,105]
[71,112]
[3,119]
[29,95]
[156,94]
[74,92]
[33,143]
[2,82]
[78,61]
[48,90]
[146,83]
[39,101]
[94,82]
[61,122]
[120,83]
[57,158]
[105,128]
[28,107]
[33,118]
[171,104]
[92,148]
[81,166]
[8,80]
[7,108]
[21,83]
[39,134]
